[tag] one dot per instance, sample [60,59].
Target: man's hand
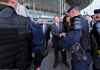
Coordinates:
[63,34]
[37,68]
[63,50]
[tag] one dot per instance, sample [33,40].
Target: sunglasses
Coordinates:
[97,17]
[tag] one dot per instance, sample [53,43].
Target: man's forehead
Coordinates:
[87,16]
[71,10]
[96,14]
[44,20]
[99,15]
[56,17]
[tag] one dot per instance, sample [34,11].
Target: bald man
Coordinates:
[18,37]
[57,31]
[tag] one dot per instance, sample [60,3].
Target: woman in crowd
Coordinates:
[66,23]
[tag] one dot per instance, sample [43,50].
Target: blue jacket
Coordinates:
[72,37]
[47,31]
[35,37]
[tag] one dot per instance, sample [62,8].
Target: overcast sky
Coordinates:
[90,9]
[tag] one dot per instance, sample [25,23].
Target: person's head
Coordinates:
[97,15]
[35,20]
[74,10]
[60,18]
[66,19]
[12,3]
[87,17]
[56,19]
[93,19]
[44,21]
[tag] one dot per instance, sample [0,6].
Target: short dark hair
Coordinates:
[87,15]
[77,9]
[54,17]
[6,1]
[64,19]
[43,19]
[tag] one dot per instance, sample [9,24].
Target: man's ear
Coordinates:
[73,12]
[13,1]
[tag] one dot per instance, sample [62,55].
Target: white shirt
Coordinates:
[43,27]
[57,24]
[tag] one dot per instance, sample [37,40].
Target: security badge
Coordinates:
[99,51]
[77,46]
[35,19]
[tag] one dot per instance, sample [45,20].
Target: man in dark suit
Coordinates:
[57,30]
[45,28]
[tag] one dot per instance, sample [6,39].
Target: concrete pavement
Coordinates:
[48,62]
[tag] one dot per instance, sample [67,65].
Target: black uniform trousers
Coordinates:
[56,49]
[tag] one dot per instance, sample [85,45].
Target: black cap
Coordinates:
[96,11]
[35,19]
[77,5]
[92,16]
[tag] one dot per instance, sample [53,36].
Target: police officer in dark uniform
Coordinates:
[96,34]
[92,22]
[36,22]
[18,37]
[77,40]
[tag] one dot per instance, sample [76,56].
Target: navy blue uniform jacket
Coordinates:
[35,37]
[72,37]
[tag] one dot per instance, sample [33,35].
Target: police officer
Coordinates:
[92,22]
[18,35]
[36,22]
[96,34]
[78,34]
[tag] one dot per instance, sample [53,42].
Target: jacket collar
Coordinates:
[79,16]
[6,11]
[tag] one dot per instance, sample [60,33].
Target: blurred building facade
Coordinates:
[49,8]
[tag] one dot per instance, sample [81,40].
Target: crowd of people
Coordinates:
[20,36]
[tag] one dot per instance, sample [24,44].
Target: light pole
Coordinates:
[59,7]
[33,9]
[62,8]
[29,2]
